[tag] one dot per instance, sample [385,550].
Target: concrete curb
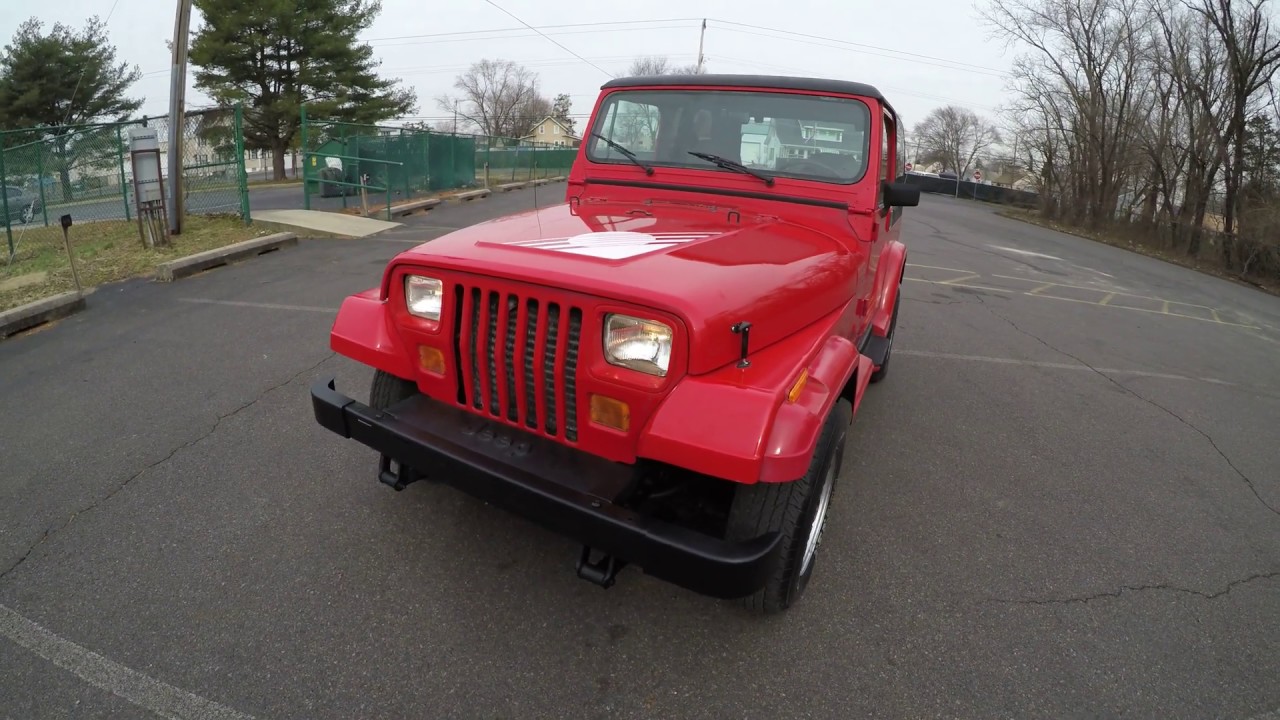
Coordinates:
[414,206]
[40,312]
[508,187]
[472,195]
[192,264]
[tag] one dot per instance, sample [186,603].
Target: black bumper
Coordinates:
[563,489]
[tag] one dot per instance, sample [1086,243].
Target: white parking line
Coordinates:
[142,690]
[265,306]
[1056,366]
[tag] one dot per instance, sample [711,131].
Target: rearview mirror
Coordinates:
[901,195]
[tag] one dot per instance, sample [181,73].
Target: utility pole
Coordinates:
[701,36]
[177,99]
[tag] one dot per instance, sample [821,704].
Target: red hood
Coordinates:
[710,267]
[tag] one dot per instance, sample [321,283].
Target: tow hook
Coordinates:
[397,480]
[603,572]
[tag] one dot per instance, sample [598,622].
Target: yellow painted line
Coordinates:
[1098,290]
[1215,315]
[1006,291]
[935,267]
[1146,310]
[1106,299]
[1042,288]
[962,278]
[1165,307]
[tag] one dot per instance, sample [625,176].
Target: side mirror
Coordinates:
[901,194]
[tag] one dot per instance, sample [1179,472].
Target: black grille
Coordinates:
[489,326]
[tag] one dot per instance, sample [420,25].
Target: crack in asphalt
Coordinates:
[1247,480]
[1085,599]
[216,424]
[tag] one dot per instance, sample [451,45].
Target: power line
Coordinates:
[562,47]
[76,89]
[524,35]
[543,27]
[903,91]
[866,52]
[862,45]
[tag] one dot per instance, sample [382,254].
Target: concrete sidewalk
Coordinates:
[313,223]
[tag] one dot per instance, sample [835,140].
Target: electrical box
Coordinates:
[144,149]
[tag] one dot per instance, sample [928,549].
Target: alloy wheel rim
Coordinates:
[819,518]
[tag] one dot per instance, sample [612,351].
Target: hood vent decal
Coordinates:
[613,245]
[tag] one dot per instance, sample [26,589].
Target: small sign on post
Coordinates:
[977,176]
[66,242]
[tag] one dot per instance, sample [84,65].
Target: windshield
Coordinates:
[782,134]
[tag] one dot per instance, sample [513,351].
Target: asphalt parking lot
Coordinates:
[1062,501]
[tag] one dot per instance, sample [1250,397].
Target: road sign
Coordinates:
[908,167]
[977,176]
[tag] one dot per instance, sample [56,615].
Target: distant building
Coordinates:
[551,131]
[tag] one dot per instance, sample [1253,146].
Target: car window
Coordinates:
[631,124]
[785,134]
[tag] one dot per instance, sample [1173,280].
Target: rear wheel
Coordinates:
[797,510]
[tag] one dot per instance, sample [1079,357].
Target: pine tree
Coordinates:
[561,108]
[53,83]
[276,55]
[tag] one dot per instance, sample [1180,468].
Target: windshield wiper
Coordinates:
[648,170]
[728,164]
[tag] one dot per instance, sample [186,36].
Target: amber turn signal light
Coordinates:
[610,413]
[431,359]
[798,387]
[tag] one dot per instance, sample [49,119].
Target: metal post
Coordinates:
[4,200]
[71,256]
[701,35]
[243,176]
[306,191]
[124,189]
[44,207]
[177,96]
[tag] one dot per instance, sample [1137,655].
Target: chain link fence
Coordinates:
[86,171]
[375,166]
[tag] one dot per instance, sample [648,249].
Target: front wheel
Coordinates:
[385,391]
[797,510]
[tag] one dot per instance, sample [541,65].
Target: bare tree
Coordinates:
[661,65]
[1084,57]
[1144,114]
[1252,53]
[498,97]
[955,136]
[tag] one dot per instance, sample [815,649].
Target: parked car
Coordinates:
[687,410]
[23,205]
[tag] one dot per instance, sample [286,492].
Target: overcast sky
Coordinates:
[920,54]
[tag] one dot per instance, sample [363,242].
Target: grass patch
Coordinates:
[106,251]
[1142,248]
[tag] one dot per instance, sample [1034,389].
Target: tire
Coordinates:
[878,375]
[28,214]
[385,391]
[795,509]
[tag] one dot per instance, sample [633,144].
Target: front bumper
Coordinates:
[563,489]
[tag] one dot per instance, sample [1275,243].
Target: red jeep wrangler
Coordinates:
[664,366]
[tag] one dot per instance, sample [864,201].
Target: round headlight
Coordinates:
[643,345]
[424,296]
